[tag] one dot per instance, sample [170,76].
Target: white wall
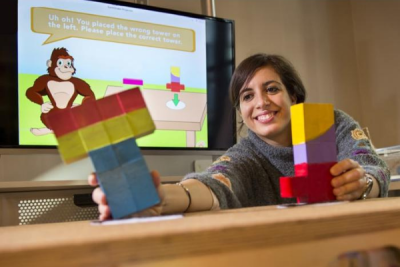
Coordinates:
[346,51]
[26,165]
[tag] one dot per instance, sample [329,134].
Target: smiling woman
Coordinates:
[280,72]
[262,89]
[265,107]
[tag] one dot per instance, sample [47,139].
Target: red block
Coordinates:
[175,87]
[293,186]
[312,183]
[110,107]
[131,100]
[86,114]
[62,122]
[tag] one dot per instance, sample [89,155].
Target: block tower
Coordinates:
[175,84]
[106,130]
[314,150]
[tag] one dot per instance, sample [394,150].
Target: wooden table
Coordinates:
[313,235]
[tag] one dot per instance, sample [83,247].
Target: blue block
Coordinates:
[104,159]
[124,177]
[141,184]
[127,151]
[119,196]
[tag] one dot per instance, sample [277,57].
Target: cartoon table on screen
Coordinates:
[190,118]
[173,109]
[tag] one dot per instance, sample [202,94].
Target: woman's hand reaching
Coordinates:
[99,197]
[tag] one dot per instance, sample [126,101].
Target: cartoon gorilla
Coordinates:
[59,86]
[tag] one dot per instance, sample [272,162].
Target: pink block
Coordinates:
[132,81]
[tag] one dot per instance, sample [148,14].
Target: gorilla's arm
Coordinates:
[38,89]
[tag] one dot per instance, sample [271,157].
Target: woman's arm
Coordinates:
[357,161]
[190,196]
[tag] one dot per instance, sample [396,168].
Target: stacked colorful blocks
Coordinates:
[106,130]
[175,85]
[314,149]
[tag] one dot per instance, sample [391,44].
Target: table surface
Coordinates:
[270,235]
[26,186]
[189,118]
[20,186]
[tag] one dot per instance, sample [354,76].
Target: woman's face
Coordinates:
[265,107]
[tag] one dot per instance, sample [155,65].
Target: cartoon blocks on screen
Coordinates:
[314,150]
[106,130]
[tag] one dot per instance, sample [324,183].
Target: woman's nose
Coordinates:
[263,100]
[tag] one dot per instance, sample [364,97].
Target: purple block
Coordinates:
[319,150]
[328,136]
[175,79]
[300,154]
[315,153]
[132,81]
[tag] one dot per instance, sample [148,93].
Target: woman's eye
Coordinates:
[272,90]
[247,97]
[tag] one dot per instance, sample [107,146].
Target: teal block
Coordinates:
[104,159]
[124,177]
[141,184]
[127,151]
[119,196]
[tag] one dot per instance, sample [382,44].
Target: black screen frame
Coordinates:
[220,66]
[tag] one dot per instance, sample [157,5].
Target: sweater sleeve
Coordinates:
[354,144]
[225,178]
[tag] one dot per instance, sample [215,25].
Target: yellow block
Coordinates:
[297,122]
[176,71]
[141,122]
[94,136]
[310,121]
[71,147]
[118,129]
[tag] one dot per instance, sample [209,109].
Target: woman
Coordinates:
[262,89]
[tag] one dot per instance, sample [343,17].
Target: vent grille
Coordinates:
[52,210]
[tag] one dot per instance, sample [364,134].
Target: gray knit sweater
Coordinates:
[248,173]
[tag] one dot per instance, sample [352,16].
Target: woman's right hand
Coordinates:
[99,197]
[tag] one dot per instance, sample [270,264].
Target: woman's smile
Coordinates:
[266,117]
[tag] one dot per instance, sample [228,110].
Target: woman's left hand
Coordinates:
[349,180]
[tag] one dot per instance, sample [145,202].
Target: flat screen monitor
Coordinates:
[181,62]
